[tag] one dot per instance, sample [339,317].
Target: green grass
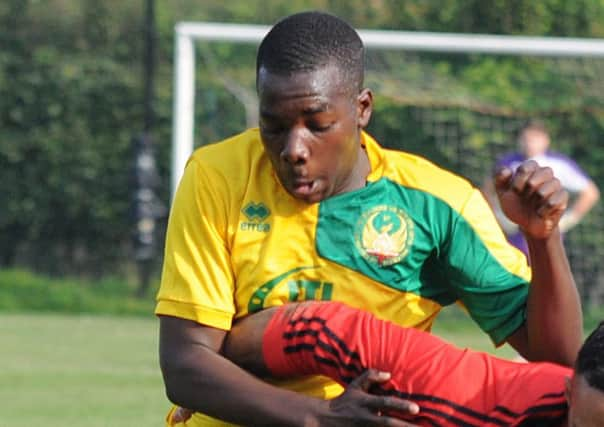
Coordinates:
[455,326]
[79,370]
[24,291]
[62,368]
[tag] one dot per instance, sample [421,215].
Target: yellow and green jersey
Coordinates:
[414,239]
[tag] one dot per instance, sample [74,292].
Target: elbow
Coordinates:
[173,387]
[180,392]
[174,395]
[593,193]
[177,381]
[596,193]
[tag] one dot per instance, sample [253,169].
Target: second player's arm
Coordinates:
[553,329]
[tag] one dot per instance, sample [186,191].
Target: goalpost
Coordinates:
[187,33]
[422,108]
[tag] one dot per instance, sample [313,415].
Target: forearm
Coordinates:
[219,388]
[199,378]
[554,317]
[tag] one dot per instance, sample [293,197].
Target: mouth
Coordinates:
[303,188]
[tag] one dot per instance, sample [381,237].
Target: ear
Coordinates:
[364,107]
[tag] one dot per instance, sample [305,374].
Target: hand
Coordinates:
[354,407]
[357,407]
[180,415]
[532,198]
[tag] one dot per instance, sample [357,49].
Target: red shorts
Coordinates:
[453,387]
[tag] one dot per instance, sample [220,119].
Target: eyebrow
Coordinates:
[320,108]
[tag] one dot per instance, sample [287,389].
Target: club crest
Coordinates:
[384,234]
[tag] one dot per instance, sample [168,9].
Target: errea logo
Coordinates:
[256,214]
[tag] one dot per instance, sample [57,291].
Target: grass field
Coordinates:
[76,370]
[95,370]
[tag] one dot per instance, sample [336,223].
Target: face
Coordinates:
[534,142]
[586,404]
[310,123]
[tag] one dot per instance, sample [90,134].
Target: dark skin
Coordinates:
[311,124]
[535,200]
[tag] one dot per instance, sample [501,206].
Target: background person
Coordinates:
[534,144]
[309,206]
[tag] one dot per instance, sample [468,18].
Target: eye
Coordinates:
[318,127]
[272,128]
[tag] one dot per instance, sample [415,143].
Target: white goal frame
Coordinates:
[187,33]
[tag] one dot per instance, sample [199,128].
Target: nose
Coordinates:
[295,150]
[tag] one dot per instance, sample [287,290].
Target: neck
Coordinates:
[358,177]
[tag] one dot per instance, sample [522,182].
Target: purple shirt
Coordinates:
[571,176]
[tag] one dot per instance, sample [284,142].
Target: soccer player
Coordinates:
[452,386]
[310,207]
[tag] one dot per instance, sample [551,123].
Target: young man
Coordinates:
[309,206]
[453,387]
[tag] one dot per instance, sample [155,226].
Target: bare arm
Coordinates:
[584,203]
[198,377]
[534,199]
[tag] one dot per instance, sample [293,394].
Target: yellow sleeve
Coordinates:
[197,280]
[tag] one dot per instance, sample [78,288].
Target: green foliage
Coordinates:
[71,79]
[22,291]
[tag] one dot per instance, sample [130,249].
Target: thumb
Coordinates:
[502,177]
[368,378]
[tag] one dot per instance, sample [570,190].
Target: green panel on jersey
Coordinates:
[401,237]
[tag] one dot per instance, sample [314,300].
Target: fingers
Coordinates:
[390,403]
[180,415]
[554,203]
[529,177]
[383,407]
[502,179]
[368,378]
[537,185]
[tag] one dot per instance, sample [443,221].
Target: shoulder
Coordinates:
[554,156]
[236,150]
[232,159]
[416,172]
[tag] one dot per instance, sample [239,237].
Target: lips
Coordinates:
[303,187]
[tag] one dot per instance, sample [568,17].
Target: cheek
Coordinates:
[272,148]
[338,154]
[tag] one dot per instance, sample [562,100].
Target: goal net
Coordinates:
[456,99]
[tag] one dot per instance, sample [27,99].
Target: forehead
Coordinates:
[587,404]
[324,83]
[534,134]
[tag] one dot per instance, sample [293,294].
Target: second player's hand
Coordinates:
[532,198]
[357,407]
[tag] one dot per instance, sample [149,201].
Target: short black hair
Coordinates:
[590,362]
[307,41]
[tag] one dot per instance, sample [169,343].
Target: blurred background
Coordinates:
[86,92]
